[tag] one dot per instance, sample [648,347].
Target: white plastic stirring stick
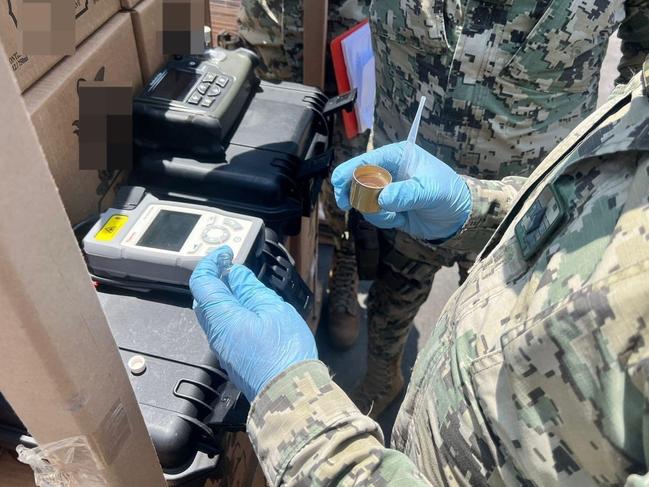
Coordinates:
[405,163]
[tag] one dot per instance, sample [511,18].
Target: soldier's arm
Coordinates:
[634,33]
[491,201]
[306,431]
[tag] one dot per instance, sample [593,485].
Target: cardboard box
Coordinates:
[108,55]
[147,24]
[129,4]
[90,15]
[62,372]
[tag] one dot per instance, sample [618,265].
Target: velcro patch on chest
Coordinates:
[540,221]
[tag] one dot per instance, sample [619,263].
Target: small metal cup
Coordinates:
[367,183]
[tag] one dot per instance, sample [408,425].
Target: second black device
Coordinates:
[192,104]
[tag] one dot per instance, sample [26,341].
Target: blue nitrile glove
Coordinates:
[255,334]
[433,204]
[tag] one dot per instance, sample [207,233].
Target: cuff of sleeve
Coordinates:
[294,408]
[473,235]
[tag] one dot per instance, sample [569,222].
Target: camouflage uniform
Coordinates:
[505,82]
[537,371]
[273,29]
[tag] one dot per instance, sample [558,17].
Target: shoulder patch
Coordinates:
[540,221]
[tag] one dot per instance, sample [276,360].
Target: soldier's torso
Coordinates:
[506,80]
[534,372]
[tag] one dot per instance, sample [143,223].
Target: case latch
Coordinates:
[340,102]
[279,273]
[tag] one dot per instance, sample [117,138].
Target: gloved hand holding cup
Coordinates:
[369,180]
[425,197]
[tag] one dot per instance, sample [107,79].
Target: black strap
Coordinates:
[645,76]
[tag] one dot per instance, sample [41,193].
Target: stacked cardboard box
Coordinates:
[108,55]
[90,15]
[147,24]
[111,47]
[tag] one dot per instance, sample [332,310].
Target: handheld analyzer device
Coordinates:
[192,104]
[144,238]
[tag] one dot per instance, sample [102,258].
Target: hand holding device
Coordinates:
[255,333]
[433,203]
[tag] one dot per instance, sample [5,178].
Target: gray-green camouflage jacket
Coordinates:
[537,372]
[506,80]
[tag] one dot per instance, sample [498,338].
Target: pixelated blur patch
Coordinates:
[105,125]
[46,27]
[183,24]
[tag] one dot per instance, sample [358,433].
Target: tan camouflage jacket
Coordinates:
[537,372]
[506,80]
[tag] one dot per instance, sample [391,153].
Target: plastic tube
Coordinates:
[406,161]
[223,265]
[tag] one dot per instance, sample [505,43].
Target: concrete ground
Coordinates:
[349,367]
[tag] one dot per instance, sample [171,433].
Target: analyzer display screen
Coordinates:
[169,230]
[176,84]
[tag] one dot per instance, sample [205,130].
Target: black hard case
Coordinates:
[273,164]
[185,399]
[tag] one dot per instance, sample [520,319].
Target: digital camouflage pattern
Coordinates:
[537,371]
[273,29]
[505,82]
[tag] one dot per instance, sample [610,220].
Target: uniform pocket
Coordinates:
[562,52]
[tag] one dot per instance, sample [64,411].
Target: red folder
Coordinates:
[342,81]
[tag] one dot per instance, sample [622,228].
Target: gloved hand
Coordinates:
[433,204]
[255,334]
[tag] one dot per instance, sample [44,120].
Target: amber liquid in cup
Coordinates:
[367,183]
[372,181]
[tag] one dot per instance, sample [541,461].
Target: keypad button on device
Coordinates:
[214,91]
[222,81]
[207,102]
[215,234]
[233,224]
[195,99]
[209,77]
[202,88]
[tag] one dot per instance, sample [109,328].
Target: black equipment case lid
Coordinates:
[273,164]
[185,399]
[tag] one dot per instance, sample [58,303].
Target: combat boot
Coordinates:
[382,384]
[343,302]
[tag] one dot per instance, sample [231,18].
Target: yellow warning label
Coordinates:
[111,228]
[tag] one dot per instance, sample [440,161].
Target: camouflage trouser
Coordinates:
[405,276]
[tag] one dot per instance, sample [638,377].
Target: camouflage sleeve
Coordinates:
[306,431]
[491,202]
[634,33]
